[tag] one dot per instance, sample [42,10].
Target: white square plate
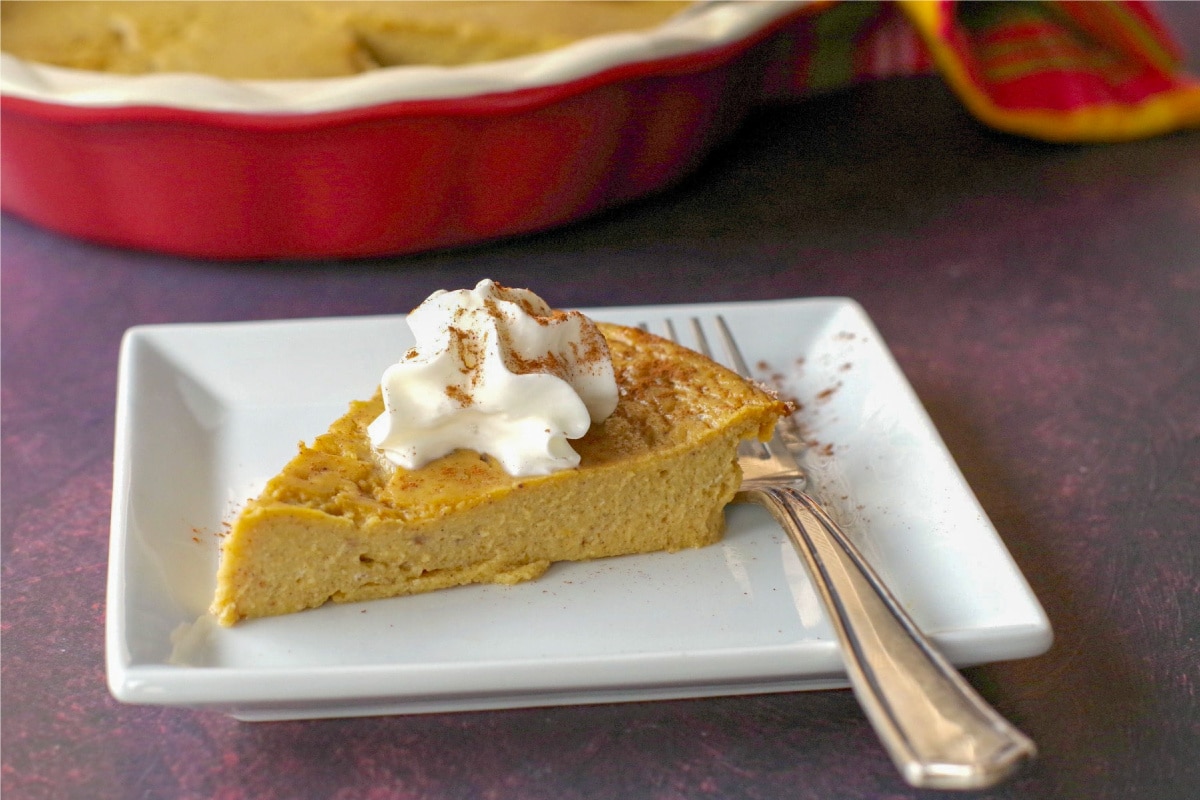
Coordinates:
[207,413]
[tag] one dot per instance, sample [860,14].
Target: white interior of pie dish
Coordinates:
[705,26]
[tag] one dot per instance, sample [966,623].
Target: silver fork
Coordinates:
[938,731]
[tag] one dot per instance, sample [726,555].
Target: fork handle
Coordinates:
[939,732]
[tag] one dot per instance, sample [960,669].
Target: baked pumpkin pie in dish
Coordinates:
[304,39]
[341,523]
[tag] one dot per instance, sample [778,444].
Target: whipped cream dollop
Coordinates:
[495,370]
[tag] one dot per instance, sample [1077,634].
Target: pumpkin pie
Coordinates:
[282,40]
[341,524]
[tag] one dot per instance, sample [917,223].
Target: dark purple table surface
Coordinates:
[1043,300]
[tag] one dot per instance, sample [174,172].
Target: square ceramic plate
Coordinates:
[207,413]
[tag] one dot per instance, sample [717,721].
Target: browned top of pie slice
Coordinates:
[671,399]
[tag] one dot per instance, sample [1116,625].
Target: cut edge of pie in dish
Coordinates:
[340,523]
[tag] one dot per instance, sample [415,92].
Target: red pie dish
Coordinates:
[393,161]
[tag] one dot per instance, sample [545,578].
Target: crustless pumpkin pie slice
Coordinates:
[341,524]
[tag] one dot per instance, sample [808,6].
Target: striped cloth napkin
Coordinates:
[1066,70]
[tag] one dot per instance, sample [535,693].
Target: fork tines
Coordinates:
[735,361]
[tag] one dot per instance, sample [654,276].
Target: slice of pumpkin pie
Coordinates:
[512,436]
